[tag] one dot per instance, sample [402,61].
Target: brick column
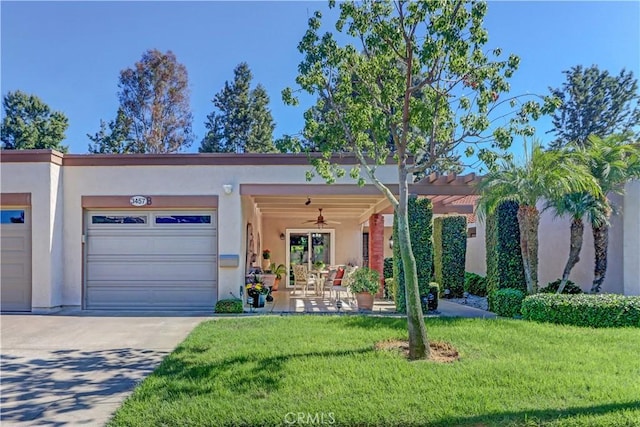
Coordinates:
[376,247]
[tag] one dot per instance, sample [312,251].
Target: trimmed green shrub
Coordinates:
[387,269]
[504,259]
[229,305]
[475,284]
[420,214]
[507,302]
[596,311]
[569,288]
[450,251]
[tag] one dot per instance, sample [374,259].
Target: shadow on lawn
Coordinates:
[535,417]
[252,373]
[400,323]
[66,381]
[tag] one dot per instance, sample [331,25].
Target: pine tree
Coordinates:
[261,134]
[597,103]
[241,121]
[29,123]
[114,137]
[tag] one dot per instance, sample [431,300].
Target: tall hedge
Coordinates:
[450,252]
[387,270]
[420,213]
[504,259]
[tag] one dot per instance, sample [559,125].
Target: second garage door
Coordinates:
[15,256]
[153,260]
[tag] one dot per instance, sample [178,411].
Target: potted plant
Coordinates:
[364,283]
[266,258]
[279,271]
[258,292]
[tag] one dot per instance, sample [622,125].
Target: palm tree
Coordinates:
[576,205]
[612,161]
[544,175]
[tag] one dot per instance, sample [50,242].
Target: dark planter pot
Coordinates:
[257,299]
[429,302]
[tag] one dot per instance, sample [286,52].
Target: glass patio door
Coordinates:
[308,247]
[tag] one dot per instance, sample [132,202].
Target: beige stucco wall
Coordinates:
[42,180]
[157,180]
[476,258]
[553,250]
[631,239]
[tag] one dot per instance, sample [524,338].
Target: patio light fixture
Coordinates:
[281,236]
[228,188]
[390,242]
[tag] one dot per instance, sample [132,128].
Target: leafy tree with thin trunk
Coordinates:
[595,102]
[242,121]
[29,123]
[367,95]
[544,175]
[154,98]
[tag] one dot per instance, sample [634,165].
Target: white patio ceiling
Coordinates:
[449,193]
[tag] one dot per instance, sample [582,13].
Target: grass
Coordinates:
[269,370]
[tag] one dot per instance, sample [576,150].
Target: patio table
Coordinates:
[319,276]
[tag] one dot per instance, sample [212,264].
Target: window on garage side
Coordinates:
[12,216]
[118,219]
[183,219]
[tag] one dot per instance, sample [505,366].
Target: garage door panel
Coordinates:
[137,243]
[13,244]
[15,297]
[13,270]
[141,297]
[156,265]
[161,270]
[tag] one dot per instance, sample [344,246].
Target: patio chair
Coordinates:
[341,282]
[302,278]
[328,281]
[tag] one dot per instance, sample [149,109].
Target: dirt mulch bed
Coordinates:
[441,352]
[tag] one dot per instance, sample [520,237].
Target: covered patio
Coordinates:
[355,228]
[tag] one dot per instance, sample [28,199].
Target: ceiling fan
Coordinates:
[320,221]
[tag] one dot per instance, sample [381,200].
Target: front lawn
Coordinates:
[324,370]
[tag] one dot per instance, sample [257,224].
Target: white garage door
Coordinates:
[155,260]
[15,254]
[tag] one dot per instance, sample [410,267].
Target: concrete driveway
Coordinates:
[77,369]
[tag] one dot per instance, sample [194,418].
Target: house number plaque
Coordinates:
[140,201]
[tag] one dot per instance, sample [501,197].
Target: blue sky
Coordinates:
[70,53]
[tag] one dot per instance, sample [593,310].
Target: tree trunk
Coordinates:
[418,343]
[577,230]
[528,219]
[600,244]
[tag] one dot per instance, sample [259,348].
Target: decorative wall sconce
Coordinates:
[281,236]
[228,188]
[391,242]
